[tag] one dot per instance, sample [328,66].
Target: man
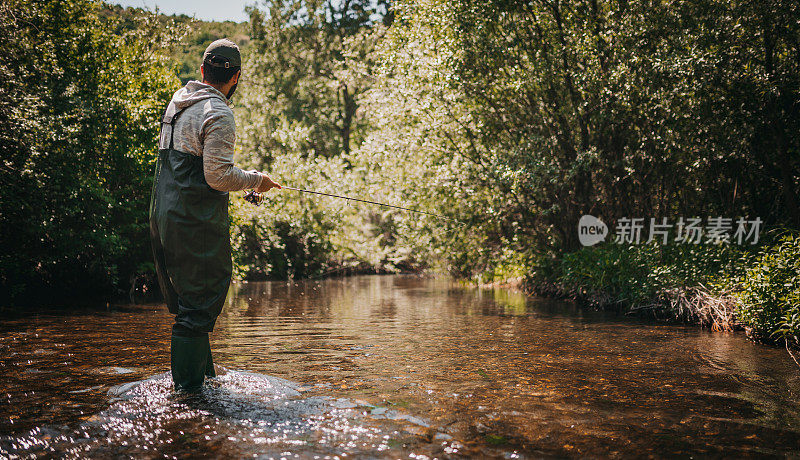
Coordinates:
[189,209]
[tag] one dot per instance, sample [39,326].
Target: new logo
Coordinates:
[591,230]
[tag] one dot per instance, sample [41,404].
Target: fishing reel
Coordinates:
[254,197]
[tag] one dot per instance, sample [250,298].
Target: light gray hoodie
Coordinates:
[206,128]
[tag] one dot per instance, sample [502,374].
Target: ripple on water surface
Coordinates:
[236,413]
[394,366]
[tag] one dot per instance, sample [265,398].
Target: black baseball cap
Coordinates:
[222,53]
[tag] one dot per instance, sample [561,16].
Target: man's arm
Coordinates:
[219,131]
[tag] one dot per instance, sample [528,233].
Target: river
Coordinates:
[393,366]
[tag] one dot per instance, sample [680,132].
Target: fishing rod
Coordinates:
[257,198]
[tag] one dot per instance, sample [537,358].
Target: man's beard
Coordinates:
[233,90]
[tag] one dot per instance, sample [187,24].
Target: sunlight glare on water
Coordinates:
[238,413]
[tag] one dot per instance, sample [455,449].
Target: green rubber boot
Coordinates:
[210,364]
[191,358]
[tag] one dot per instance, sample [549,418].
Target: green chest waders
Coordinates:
[191,246]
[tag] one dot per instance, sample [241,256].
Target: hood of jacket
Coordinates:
[194,92]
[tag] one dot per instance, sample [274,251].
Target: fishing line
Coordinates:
[256,198]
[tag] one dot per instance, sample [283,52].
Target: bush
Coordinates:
[638,275]
[78,124]
[298,235]
[769,301]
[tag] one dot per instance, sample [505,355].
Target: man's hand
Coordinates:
[266,184]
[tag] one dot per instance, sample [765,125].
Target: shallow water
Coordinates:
[394,366]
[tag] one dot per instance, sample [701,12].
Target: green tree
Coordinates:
[78,125]
[531,114]
[307,67]
[303,94]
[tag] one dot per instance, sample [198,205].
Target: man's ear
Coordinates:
[202,78]
[238,76]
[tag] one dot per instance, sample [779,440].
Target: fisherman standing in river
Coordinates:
[189,209]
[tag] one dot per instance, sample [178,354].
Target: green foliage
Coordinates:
[195,34]
[78,124]
[519,117]
[770,293]
[293,235]
[304,73]
[301,92]
[288,236]
[634,276]
[510,265]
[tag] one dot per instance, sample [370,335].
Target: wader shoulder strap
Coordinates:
[170,120]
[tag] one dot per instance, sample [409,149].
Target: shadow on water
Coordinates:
[392,366]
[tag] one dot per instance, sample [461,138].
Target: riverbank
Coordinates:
[723,288]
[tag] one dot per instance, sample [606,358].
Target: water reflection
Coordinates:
[459,371]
